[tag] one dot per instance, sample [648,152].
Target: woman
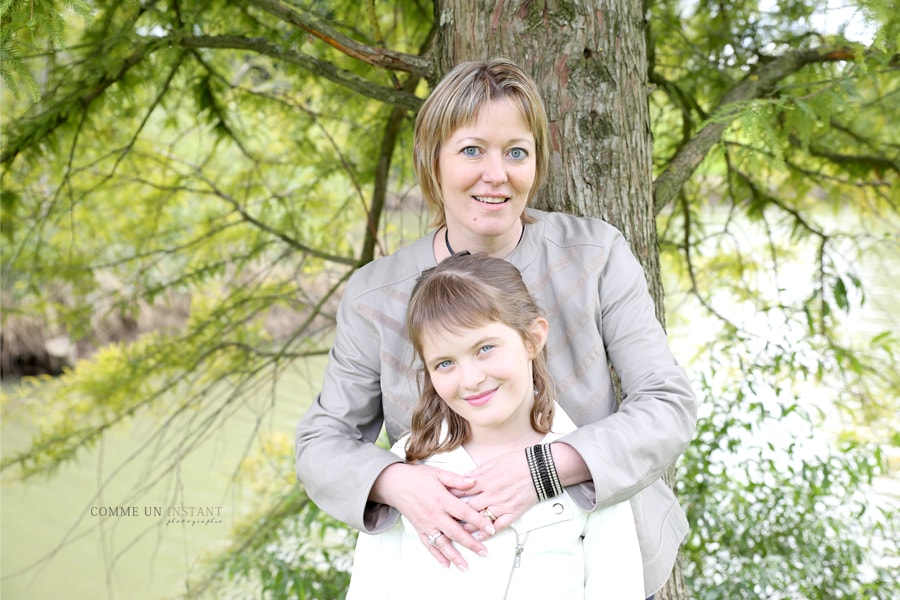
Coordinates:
[480,337]
[481,154]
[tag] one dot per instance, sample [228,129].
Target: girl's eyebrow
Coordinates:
[490,340]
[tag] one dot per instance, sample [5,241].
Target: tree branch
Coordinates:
[862,162]
[757,84]
[378,57]
[316,66]
[389,138]
[36,129]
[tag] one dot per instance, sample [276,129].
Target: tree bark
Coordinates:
[589,58]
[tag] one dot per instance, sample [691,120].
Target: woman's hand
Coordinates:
[421,494]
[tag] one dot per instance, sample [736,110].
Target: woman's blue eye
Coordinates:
[485,348]
[443,364]
[518,154]
[471,151]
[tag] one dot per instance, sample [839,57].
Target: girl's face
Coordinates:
[484,375]
[486,171]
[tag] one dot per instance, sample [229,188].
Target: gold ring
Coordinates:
[489,515]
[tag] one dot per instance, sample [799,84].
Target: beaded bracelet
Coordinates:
[543,471]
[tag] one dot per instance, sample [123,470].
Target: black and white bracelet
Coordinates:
[543,471]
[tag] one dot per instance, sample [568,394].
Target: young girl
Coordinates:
[486,391]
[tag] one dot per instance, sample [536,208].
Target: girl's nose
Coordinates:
[471,376]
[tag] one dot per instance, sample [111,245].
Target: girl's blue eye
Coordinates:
[443,364]
[518,154]
[470,151]
[485,348]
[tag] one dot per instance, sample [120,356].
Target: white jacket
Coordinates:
[555,551]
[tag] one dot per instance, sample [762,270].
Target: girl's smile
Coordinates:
[484,374]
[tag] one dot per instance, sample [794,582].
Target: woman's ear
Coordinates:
[539,331]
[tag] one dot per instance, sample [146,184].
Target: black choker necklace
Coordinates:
[452,251]
[447,241]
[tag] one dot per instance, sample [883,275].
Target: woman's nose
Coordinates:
[494,169]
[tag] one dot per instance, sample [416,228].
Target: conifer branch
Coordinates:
[34,130]
[755,85]
[314,65]
[866,162]
[373,55]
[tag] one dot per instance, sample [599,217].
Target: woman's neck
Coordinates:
[447,243]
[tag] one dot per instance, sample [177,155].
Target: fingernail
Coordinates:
[490,529]
[482,553]
[462,568]
[479,536]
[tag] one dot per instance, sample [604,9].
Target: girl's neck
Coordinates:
[485,447]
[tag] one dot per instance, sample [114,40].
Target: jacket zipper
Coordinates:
[517,560]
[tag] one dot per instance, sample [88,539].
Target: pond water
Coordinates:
[60,538]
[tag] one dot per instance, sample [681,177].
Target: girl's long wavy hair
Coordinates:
[463,292]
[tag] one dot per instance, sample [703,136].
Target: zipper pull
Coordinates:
[518,561]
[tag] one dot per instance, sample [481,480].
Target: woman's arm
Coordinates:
[337,460]
[504,484]
[656,420]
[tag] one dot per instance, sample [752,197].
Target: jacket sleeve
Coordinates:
[612,557]
[632,448]
[336,457]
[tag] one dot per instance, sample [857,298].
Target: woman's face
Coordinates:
[486,171]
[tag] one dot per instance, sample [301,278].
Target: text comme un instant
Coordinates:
[156,511]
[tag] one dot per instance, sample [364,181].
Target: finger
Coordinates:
[472,542]
[479,521]
[488,514]
[454,481]
[504,521]
[475,532]
[469,527]
[441,547]
[459,493]
[436,552]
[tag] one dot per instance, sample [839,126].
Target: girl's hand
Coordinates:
[502,486]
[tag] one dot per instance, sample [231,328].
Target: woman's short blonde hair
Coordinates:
[455,102]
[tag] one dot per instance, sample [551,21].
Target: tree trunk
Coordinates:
[589,58]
